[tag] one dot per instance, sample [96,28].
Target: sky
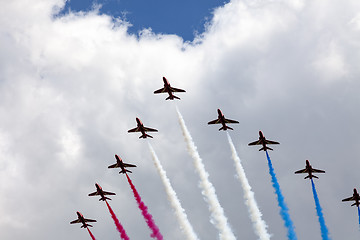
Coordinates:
[72,84]
[185,18]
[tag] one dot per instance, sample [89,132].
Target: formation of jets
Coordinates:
[220,120]
[100,192]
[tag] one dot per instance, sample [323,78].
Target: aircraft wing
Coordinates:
[113,166]
[349,199]
[271,142]
[137,129]
[216,121]
[108,193]
[161,90]
[302,171]
[89,220]
[129,165]
[258,142]
[75,221]
[93,194]
[177,90]
[230,121]
[318,171]
[146,129]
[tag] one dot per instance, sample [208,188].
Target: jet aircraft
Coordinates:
[355,197]
[120,164]
[101,192]
[82,220]
[167,88]
[263,141]
[140,128]
[309,170]
[222,120]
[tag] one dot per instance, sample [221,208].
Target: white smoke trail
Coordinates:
[174,201]
[255,214]
[217,212]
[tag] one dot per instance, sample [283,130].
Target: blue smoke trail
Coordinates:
[323,228]
[359,214]
[284,211]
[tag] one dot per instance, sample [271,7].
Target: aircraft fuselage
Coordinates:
[167,87]
[141,127]
[100,192]
[120,163]
[222,119]
[81,218]
[309,169]
[262,139]
[356,197]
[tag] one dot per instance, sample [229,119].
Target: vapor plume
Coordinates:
[323,228]
[91,235]
[284,211]
[118,225]
[217,213]
[155,232]
[174,201]
[254,211]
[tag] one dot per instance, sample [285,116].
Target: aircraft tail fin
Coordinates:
[308,176]
[225,128]
[86,225]
[104,199]
[125,171]
[265,148]
[354,204]
[145,136]
[172,97]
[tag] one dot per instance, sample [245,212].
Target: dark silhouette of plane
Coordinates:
[355,197]
[170,90]
[120,164]
[222,120]
[263,141]
[101,192]
[309,170]
[82,220]
[140,128]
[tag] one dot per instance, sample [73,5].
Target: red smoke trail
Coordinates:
[148,218]
[91,235]
[117,223]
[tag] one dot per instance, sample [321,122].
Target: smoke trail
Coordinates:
[255,214]
[117,223]
[91,235]
[217,213]
[174,201]
[359,214]
[284,211]
[323,228]
[148,218]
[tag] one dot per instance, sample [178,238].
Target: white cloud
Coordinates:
[71,87]
[330,63]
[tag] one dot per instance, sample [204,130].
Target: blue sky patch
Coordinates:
[183,18]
